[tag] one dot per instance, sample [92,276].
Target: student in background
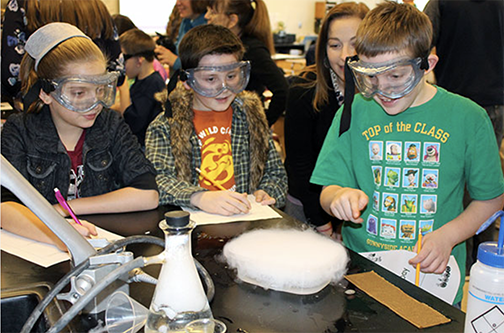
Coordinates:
[124,23]
[68,138]
[312,102]
[397,106]
[476,72]
[173,25]
[217,127]
[192,13]
[23,17]
[250,21]
[137,103]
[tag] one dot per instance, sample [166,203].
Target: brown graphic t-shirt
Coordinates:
[214,132]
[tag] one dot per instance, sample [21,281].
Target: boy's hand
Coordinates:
[348,203]
[221,202]
[264,198]
[435,253]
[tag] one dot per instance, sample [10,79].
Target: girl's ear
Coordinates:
[45,97]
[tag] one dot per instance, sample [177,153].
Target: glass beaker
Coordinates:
[179,297]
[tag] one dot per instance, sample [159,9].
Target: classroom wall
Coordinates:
[297,15]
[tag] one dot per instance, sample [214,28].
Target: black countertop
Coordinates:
[246,308]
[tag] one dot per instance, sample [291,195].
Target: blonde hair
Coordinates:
[90,16]
[55,64]
[393,27]
[323,83]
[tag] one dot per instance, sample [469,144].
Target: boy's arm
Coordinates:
[158,150]
[274,180]
[437,246]
[344,203]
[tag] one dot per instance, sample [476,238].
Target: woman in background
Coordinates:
[23,17]
[250,21]
[192,13]
[312,102]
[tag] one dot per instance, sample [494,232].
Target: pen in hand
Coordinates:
[65,205]
[419,248]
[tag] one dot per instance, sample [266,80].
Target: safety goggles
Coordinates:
[211,81]
[139,54]
[393,79]
[84,93]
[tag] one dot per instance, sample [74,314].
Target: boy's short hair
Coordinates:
[208,39]
[394,27]
[135,41]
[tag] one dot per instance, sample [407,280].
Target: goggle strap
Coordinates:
[346,117]
[424,64]
[33,93]
[172,84]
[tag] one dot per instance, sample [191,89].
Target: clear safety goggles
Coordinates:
[211,81]
[84,93]
[392,79]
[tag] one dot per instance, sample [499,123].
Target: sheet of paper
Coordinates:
[42,254]
[443,286]
[258,212]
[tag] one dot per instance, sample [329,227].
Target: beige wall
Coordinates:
[298,15]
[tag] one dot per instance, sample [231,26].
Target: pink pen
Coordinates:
[65,205]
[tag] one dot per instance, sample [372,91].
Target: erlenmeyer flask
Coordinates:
[179,296]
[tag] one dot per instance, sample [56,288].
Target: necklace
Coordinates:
[339,95]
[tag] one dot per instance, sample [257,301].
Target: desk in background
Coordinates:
[291,64]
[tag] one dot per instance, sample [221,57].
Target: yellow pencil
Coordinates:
[419,248]
[219,186]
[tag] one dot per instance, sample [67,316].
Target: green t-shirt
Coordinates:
[413,166]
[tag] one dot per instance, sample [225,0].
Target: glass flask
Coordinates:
[179,297]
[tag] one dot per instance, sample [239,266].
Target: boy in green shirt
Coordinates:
[433,144]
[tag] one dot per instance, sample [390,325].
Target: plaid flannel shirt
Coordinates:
[177,192]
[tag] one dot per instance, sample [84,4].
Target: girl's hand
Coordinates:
[348,203]
[86,229]
[264,198]
[435,253]
[165,56]
[221,202]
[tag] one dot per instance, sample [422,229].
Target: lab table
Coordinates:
[247,308]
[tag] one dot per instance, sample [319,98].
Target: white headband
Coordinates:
[48,37]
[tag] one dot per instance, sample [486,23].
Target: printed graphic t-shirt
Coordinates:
[413,167]
[77,170]
[214,134]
